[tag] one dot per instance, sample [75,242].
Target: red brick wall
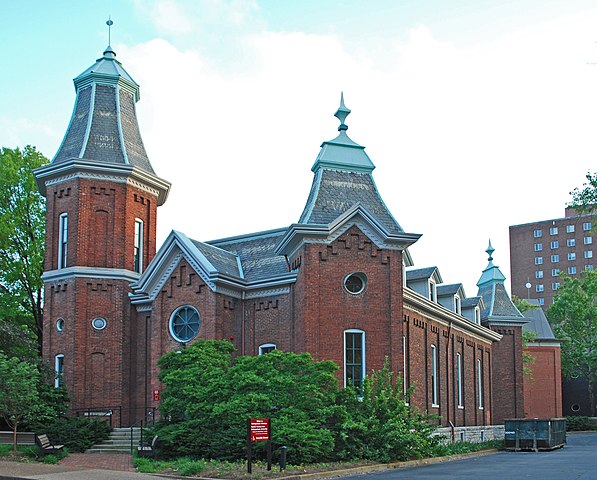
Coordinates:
[323,309]
[507,377]
[543,390]
[421,333]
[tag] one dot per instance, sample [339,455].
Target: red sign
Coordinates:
[259,429]
[156,395]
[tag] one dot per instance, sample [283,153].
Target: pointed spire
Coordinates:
[490,251]
[342,113]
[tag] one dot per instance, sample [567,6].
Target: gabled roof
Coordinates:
[471,302]
[423,273]
[445,290]
[233,265]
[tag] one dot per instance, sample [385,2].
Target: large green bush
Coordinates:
[580,424]
[209,396]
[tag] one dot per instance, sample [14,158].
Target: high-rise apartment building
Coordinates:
[541,252]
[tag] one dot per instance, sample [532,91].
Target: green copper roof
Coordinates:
[492,273]
[108,71]
[342,153]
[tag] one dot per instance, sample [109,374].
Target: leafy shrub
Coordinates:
[209,396]
[579,424]
[77,434]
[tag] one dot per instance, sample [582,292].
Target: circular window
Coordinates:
[60,324]
[575,407]
[99,323]
[355,283]
[184,324]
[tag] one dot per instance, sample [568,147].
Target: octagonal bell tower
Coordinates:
[102,197]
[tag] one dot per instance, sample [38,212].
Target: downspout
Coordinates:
[242,324]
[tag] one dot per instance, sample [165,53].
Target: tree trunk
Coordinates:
[14,437]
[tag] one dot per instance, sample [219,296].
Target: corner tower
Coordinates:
[102,197]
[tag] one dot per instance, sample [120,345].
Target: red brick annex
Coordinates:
[339,283]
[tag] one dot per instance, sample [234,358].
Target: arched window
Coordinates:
[59,370]
[266,348]
[459,397]
[138,246]
[62,240]
[480,382]
[184,323]
[354,358]
[434,372]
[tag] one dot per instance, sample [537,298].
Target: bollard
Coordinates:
[283,458]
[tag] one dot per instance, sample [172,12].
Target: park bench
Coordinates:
[46,446]
[148,450]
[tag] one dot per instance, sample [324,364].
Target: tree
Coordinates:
[573,316]
[19,397]
[22,238]
[585,199]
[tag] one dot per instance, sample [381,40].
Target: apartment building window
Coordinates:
[541,301]
[588,253]
[538,233]
[588,240]
[539,287]
[553,230]
[539,274]
[571,256]
[555,285]
[589,267]
[62,240]
[459,380]
[555,258]
[571,242]
[569,228]
[587,226]
[354,358]
[267,348]
[434,399]
[538,260]
[555,272]
[554,244]
[138,246]
[572,270]
[538,247]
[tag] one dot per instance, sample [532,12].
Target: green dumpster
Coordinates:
[534,433]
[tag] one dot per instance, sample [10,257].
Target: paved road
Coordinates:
[577,460]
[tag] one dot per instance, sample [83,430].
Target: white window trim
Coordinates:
[480,384]
[62,240]
[59,373]
[457,304]
[432,291]
[434,372]
[138,246]
[266,345]
[363,366]
[477,315]
[459,389]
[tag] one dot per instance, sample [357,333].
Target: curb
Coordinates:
[379,467]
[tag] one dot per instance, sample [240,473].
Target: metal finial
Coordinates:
[490,251]
[342,113]
[109,23]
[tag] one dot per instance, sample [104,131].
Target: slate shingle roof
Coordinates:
[256,253]
[420,273]
[538,322]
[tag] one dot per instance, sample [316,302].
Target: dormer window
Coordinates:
[477,315]
[432,291]
[457,306]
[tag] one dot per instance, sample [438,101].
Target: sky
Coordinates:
[478,115]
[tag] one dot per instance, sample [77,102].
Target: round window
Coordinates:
[184,323]
[355,283]
[99,323]
[575,408]
[60,324]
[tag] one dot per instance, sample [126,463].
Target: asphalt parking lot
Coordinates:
[577,460]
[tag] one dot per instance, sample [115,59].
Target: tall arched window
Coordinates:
[59,370]
[354,357]
[62,240]
[459,398]
[480,382]
[138,246]
[434,372]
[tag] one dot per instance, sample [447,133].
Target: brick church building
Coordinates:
[339,283]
